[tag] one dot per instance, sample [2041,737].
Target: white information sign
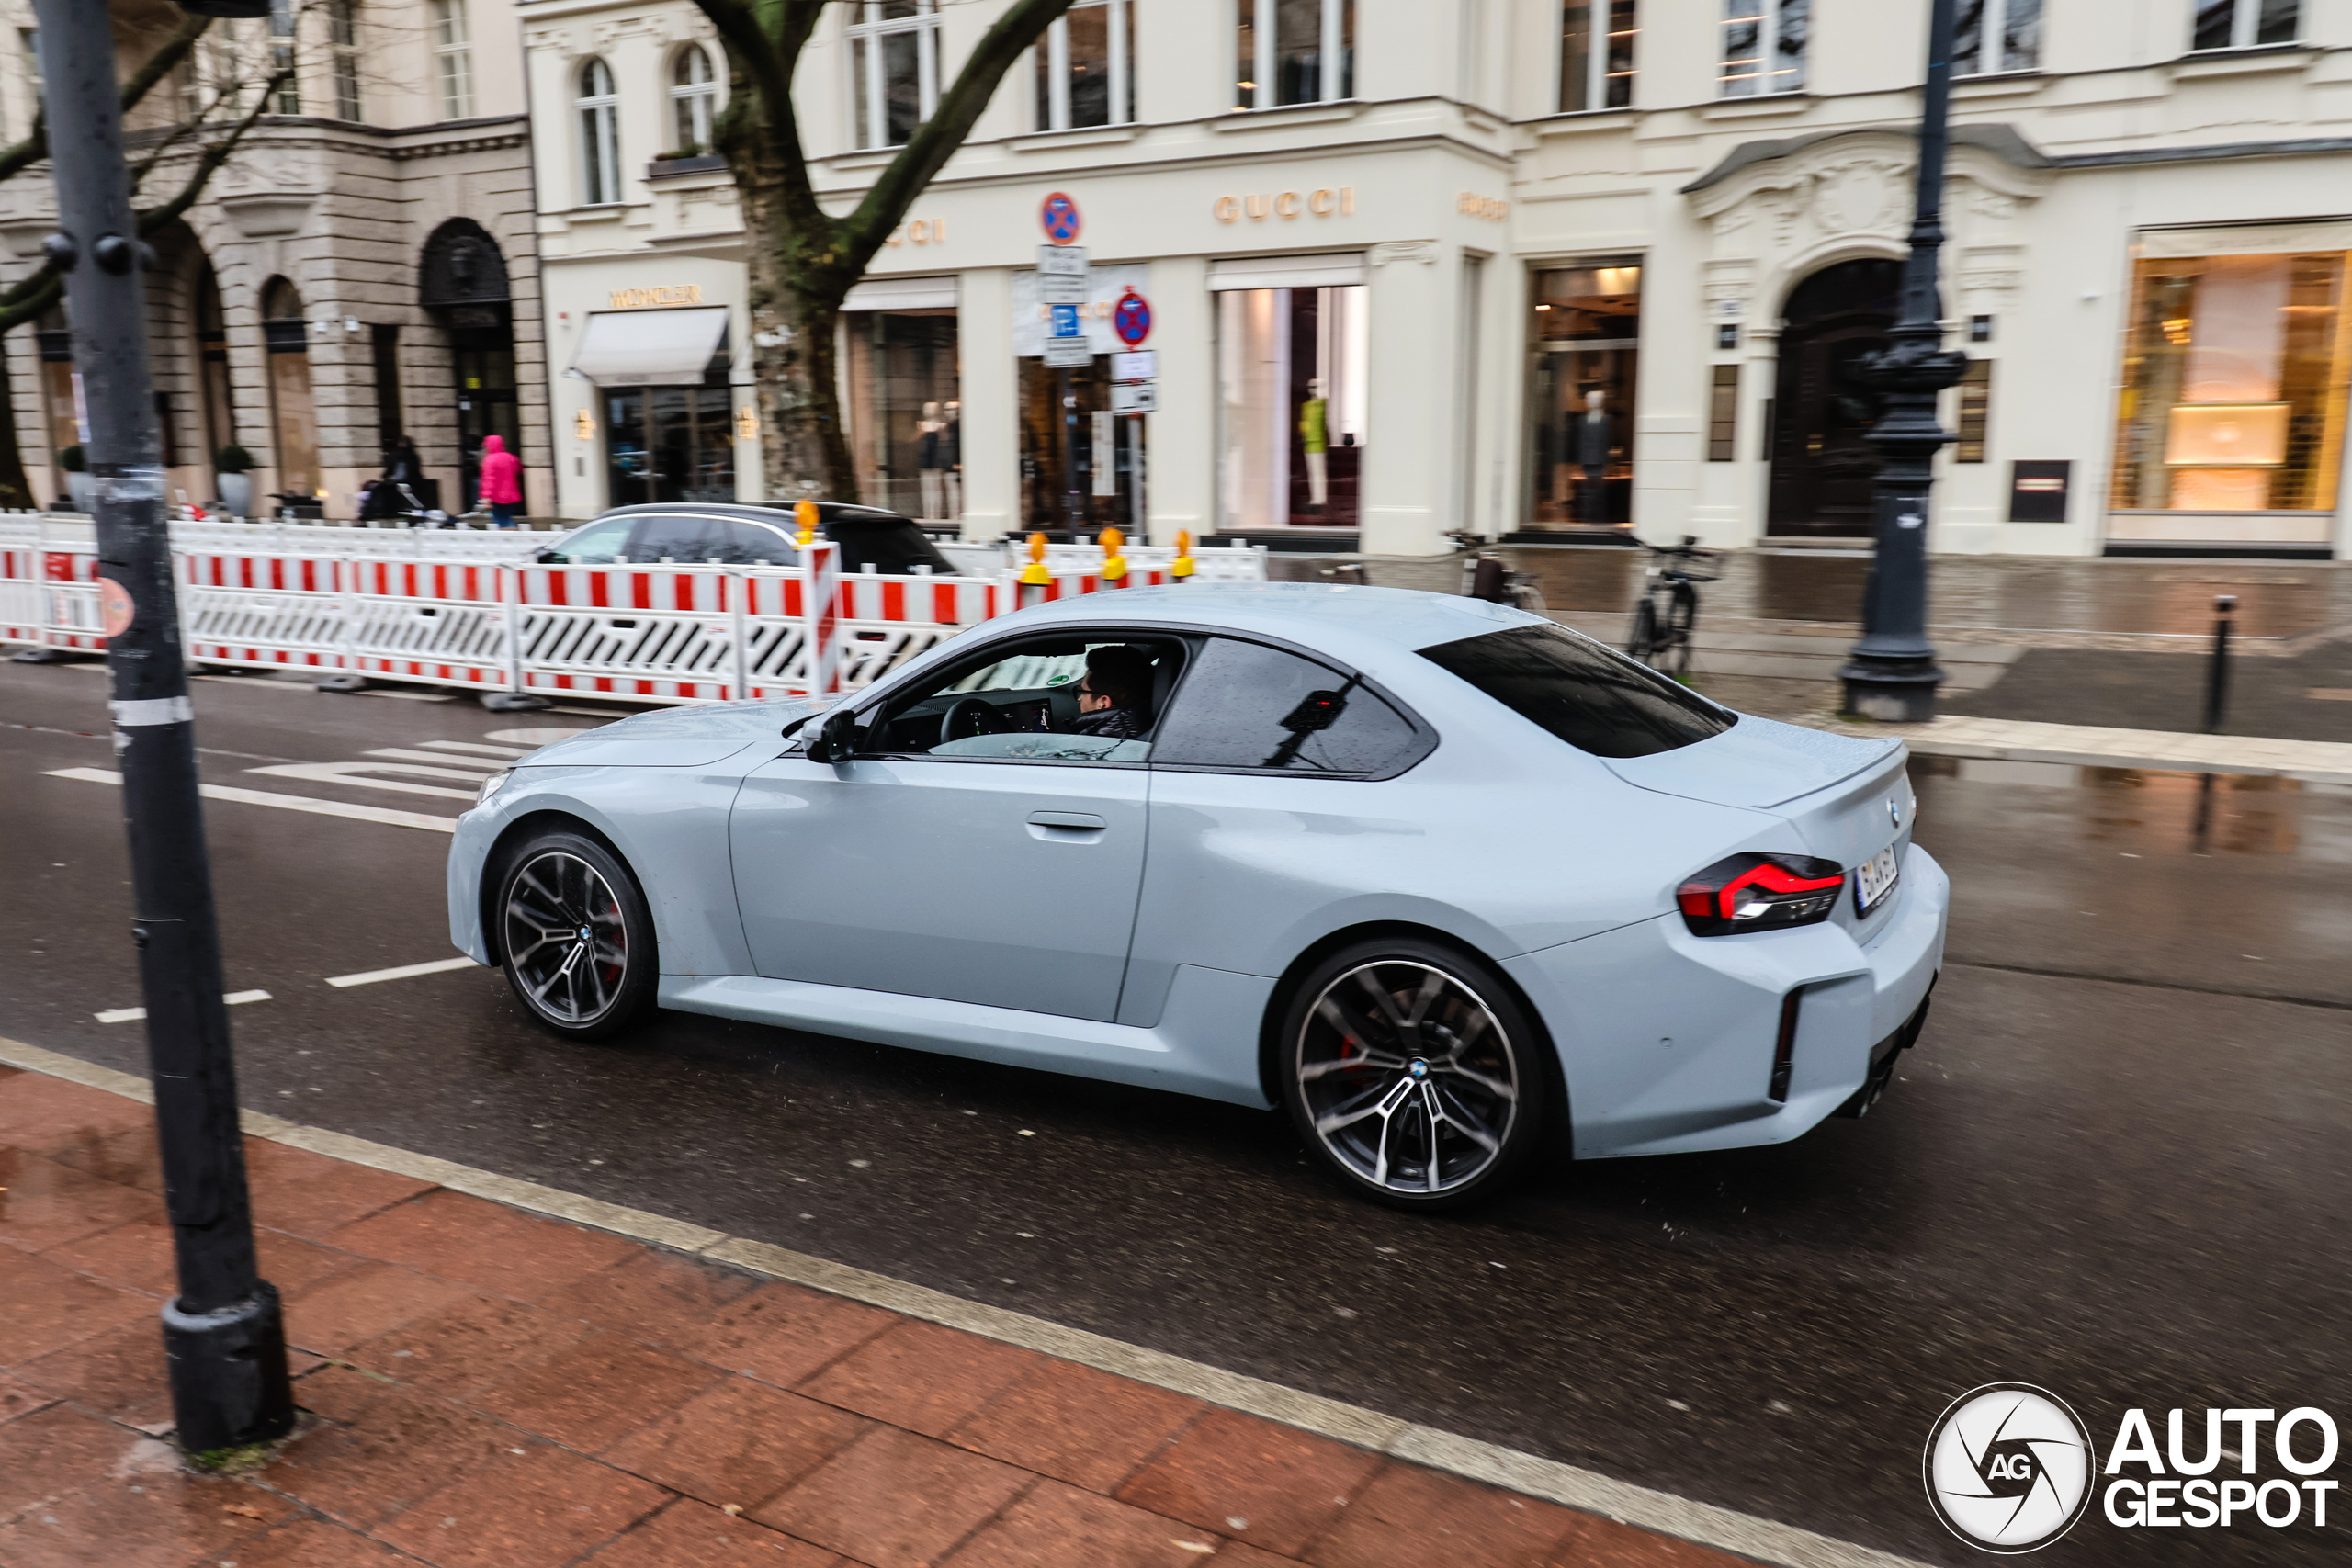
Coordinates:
[1134,396]
[1069,353]
[1062,275]
[1136,365]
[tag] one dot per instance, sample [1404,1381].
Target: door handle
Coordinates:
[1081,820]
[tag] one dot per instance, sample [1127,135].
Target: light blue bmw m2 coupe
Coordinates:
[1444,880]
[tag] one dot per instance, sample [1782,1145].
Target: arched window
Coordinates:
[600,135]
[293,414]
[693,95]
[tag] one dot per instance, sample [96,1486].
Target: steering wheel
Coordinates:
[967,716]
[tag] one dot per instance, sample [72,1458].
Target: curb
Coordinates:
[2155,751]
[1724,1529]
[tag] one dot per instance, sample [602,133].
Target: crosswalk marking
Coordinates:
[349,773]
[481,764]
[290,802]
[509,752]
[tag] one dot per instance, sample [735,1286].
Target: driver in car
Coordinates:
[1112,694]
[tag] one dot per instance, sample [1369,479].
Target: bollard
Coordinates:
[2217,678]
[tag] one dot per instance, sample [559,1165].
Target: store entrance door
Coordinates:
[482,362]
[1823,465]
[1081,464]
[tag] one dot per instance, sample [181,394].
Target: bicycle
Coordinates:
[1666,622]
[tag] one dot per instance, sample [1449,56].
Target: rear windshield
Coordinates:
[1596,700]
[891,544]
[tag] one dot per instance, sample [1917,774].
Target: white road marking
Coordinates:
[439,965]
[507,751]
[132,1015]
[543,734]
[409,696]
[441,757]
[346,773]
[290,802]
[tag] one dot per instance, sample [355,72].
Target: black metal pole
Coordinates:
[1073,501]
[222,1334]
[2217,679]
[1892,673]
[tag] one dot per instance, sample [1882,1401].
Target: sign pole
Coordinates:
[223,1336]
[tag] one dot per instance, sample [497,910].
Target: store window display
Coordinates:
[1585,343]
[2233,385]
[904,414]
[1292,383]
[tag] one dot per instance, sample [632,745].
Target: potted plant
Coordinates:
[235,465]
[78,482]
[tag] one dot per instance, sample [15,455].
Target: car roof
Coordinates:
[1339,618]
[829,512]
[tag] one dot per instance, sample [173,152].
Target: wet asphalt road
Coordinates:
[2116,1165]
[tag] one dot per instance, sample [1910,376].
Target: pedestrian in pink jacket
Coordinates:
[501,480]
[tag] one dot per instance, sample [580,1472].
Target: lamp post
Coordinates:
[1892,672]
[223,1336]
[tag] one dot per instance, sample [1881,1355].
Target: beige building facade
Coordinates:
[1506,267]
[362,268]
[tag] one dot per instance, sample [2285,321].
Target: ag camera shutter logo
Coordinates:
[2008,1468]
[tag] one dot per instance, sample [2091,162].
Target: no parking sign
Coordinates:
[1131,318]
[1058,216]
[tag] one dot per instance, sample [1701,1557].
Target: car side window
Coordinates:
[752,544]
[599,544]
[1024,705]
[674,537]
[1244,704]
[890,545]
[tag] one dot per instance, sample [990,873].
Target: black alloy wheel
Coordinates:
[1415,1072]
[576,936]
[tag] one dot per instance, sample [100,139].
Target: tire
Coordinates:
[1644,638]
[555,887]
[1681,627]
[1422,1026]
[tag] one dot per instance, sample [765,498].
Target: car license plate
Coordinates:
[1873,880]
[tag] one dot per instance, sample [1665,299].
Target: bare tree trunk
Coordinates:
[15,489]
[796,309]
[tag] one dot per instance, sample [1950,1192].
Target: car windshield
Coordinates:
[1592,697]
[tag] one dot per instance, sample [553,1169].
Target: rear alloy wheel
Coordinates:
[577,937]
[1414,1073]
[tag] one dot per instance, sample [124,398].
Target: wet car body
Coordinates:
[1148,917]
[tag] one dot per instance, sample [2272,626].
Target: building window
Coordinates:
[600,136]
[343,53]
[1975,407]
[1086,67]
[694,99]
[282,56]
[2233,385]
[1723,414]
[1997,35]
[1764,47]
[894,63]
[906,421]
[1294,51]
[1293,372]
[1596,73]
[453,58]
[669,443]
[1585,341]
[294,414]
[2244,23]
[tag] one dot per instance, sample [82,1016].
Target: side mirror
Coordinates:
[836,740]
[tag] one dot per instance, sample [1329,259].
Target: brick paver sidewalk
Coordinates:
[489,1389]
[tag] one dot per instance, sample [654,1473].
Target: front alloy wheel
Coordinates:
[1413,1074]
[576,936]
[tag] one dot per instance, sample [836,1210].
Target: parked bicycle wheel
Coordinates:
[1643,642]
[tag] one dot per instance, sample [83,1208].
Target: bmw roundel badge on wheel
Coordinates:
[2008,1468]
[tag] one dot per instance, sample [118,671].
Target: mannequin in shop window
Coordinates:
[930,466]
[1315,435]
[951,462]
[1594,437]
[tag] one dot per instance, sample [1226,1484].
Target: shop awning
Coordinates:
[902,294]
[649,348]
[1331,271]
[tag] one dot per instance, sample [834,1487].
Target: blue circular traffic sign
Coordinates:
[1059,216]
[1131,318]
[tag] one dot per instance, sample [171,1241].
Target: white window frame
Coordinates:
[2245,25]
[1264,92]
[700,99]
[1992,42]
[282,56]
[1055,47]
[1767,25]
[1602,17]
[598,117]
[343,50]
[865,35]
[453,58]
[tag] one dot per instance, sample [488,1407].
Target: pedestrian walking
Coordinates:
[501,480]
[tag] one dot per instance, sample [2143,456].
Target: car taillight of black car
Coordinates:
[1759,893]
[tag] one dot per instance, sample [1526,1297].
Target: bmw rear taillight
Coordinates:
[1759,893]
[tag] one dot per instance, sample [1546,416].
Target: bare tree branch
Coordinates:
[15,159]
[763,41]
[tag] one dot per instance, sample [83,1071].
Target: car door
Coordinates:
[1007,879]
[1274,796]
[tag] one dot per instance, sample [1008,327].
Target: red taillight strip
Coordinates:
[1772,879]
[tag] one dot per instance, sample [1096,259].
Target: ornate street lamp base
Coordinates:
[1892,691]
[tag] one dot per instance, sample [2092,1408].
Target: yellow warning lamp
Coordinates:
[805,513]
[1181,567]
[1035,573]
[1114,565]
